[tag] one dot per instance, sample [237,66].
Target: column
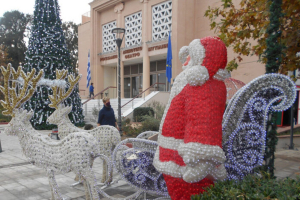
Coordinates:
[97,69]
[146,60]
[122,79]
[118,9]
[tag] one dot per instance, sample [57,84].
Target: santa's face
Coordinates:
[188,58]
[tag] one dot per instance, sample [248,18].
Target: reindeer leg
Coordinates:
[104,171]
[53,185]
[91,182]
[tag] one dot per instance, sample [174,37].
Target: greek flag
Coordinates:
[88,71]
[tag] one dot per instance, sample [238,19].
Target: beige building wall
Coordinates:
[84,45]
[188,23]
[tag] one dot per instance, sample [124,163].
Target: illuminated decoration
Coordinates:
[47,50]
[232,86]
[74,153]
[136,168]
[190,134]
[106,137]
[146,134]
[244,122]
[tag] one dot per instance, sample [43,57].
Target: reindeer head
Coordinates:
[59,95]
[13,98]
[17,123]
[59,114]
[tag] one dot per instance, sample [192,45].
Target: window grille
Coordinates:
[133,26]
[108,43]
[161,20]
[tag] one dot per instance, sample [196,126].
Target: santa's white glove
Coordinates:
[204,170]
[197,173]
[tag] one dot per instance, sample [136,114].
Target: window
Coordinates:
[108,43]
[133,26]
[161,65]
[134,69]
[152,66]
[126,70]
[161,20]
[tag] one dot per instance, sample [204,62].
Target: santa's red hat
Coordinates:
[206,58]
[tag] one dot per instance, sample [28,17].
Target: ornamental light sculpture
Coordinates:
[119,35]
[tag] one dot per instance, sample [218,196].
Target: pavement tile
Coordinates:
[34,197]
[115,196]
[5,195]
[17,190]
[32,184]
[43,180]
[27,194]
[6,182]
[2,188]
[75,194]
[11,186]
[42,189]
[46,194]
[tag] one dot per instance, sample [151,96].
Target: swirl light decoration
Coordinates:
[135,165]
[244,121]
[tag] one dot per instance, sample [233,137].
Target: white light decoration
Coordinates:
[133,27]
[161,20]
[106,137]
[244,121]
[47,50]
[136,168]
[74,153]
[108,43]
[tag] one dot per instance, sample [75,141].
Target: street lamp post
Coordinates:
[119,35]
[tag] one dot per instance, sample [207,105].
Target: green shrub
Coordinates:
[149,124]
[128,129]
[139,113]
[253,187]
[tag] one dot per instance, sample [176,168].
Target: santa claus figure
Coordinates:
[190,154]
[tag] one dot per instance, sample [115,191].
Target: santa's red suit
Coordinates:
[190,154]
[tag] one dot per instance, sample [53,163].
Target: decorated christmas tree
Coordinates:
[47,50]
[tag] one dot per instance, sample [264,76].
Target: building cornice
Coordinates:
[109,53]
[104,4]
[157,42]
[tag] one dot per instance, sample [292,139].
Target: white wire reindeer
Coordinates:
[75,152]
[107,137]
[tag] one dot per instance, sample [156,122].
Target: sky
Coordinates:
[70,10]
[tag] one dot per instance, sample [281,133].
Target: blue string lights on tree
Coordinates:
[47,50]
[244,121]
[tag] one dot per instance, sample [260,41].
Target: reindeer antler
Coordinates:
[12,99]
[59,94]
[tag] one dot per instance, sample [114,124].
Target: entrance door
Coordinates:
[162,80]
[126,87]
[135,85]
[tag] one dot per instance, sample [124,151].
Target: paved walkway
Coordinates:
[21,180]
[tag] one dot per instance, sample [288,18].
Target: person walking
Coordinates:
[91,89]
[107,115]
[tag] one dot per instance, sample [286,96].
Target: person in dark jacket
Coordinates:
[91,89]
[107,115]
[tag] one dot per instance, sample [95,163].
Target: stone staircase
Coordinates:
[97,104]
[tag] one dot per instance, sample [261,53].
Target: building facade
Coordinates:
[148,24]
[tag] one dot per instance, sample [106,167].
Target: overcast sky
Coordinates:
[70,10]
